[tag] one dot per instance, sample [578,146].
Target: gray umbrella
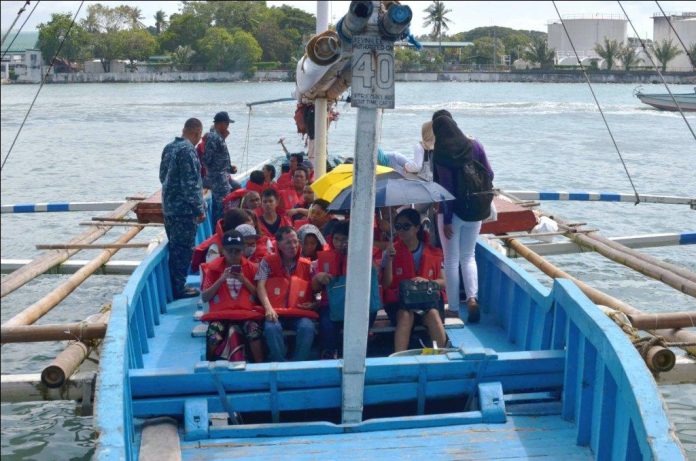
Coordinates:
[397,191]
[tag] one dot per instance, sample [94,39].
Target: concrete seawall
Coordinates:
[281,75]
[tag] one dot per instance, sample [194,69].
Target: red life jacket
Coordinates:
[225,307]
[284,180]
[284,221]
[299,223]
[290,198]
[233,199]
[332,262]
[201,250]
[255,187]
[286,291]
[403,268]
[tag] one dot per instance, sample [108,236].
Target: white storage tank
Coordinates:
[685,25]
[585,32]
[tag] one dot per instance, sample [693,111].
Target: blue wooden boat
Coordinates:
[663,101]
[545,374]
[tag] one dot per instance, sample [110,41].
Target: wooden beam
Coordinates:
[52,332]
[70,267]
[29,388]
[45,261]
[90,246]
[663,320]
[120,224]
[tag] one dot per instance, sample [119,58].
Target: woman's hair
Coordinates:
[441,113]
[254,220]
[271,169]
[246,198]
[427,136]
[233,218]
[412,216]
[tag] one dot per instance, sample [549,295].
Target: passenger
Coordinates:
[252,202]
[285,277]
[256,181]
[269,174]
[457,236]
[213,244]
[233,199]
[182,203]
[294,195]
[310,168]
[312,241]
[411,258]
[422,164]
[300,212]
[285,179]
[217,161]
[227,283]
[267,242]
[396,161]
[270,221]
[253,251]
[319,216]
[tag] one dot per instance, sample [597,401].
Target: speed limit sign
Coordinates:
[373,72]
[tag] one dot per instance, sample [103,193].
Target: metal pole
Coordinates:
[320,104]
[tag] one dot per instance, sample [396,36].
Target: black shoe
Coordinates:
[188,293]
[474,312]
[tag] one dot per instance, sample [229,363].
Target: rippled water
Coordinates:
[103,142]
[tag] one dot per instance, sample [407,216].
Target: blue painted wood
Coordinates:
[492,402]
[153,298]
[196,419]
[139,317]
[144,306]
[585,396]
[135,337]
[422,388]
[597,444]
[572,373]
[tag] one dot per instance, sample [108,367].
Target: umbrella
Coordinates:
[334,182]
[397,191]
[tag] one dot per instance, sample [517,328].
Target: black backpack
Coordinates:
[473,192]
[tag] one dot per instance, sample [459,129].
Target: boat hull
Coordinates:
[687,102]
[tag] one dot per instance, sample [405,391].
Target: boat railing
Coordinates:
[607,389]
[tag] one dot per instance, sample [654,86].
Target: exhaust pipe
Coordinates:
[355,20]
[324,49]
[395,22]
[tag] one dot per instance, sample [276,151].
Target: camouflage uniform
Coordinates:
[182,203]
[217,161]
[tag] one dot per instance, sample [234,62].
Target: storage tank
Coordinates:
[585,32]
[685,25]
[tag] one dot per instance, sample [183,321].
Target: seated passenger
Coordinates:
[233,199]
[411,258]
[253,251]
[283,287]
[312,241]
[319,216]
[270,221]
[269,173]
[235,316]
[256,181]
[251,201]
[293,195]
[285,179]
[230,220]
[300,211]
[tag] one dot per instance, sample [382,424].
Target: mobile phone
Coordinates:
[236,268]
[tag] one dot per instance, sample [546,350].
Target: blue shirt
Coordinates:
[180,176]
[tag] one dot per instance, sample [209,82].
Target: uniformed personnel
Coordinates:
[216,160]
[182,202]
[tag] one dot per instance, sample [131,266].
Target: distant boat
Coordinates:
[663,101]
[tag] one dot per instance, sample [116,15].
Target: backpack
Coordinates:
[473,192]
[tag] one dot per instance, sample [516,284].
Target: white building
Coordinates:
[22,61]
[585,33]
[685,25]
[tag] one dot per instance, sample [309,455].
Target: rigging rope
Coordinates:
[645,49]
[611,135]
[20,29]
[245,152]
[691,58]
[19,13]
[43,81]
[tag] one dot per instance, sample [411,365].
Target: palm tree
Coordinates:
[629,57]
[609,52]
[692,54]
[437,18]
[665,51]
[538,51]
[160,21]
[181,57]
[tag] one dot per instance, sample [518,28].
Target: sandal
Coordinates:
[474,311]
[450,314]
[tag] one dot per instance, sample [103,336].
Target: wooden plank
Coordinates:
[150,209]
[52,332]
[511,218]
[89,246]
[71,266]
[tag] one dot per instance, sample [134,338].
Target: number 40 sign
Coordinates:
[373,72]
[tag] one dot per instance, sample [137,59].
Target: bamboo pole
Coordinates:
[103,218]
[45,261]
[37,310]
[120,224]
[68,361]
[29,388]
[52,332]
[90,246]
[663,320]
[540,234]
[678,336]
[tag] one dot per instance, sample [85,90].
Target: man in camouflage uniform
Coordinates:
[216,160]
[182,202]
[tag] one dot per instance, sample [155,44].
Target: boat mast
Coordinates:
[320,104]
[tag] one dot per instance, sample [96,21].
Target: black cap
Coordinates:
[222,117]
[232,239]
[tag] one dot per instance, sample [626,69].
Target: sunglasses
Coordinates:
[402,227]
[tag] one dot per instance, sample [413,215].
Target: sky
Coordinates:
[464,15]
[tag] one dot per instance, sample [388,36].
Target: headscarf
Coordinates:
[427,136]
[452,148]
[308,229]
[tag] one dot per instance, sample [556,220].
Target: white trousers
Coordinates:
[459,251]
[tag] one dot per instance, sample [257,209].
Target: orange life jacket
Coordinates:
[284,180]
[201,250]
[223,306]
[289,198]
[403,268]
[284,221]
[286,291]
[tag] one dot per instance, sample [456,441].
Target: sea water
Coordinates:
[92,142]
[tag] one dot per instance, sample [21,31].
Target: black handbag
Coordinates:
[419,295]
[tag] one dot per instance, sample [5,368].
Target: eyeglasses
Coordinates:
[402,227]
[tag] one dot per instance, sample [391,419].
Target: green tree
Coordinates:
[277,45]
[692,54]
[215,49]
[629,57]
[102,18]
[160,21]
[245,51]
[483,49]
[184,30]
[515,43]
[665,51]
[538,52]
[76,45]
[406,59]
[131,15]
[137,45]
[609,51]
[436,17]
[181,57]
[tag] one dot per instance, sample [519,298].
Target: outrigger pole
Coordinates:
[601,197]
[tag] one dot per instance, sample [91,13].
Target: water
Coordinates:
[103,142]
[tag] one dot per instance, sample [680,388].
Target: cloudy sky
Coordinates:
[464,15]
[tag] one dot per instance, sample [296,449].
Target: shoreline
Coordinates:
[569,76]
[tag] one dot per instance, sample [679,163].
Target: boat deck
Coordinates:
[521,437]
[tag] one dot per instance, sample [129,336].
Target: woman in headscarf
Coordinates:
[423,154]
[458,237]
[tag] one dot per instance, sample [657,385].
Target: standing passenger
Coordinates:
[217,161]
[182,202]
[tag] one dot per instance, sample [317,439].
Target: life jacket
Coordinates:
[290,198]
[284,180]
[299,223]
[261,250]
[334,264]
[403,268]
[255,187]
[284,221]
[201,250]
[286,291]
[233,199]
[223,306]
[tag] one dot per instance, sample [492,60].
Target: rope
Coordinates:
[245,151]
[646,343]
[20,29]
[686,50]
[577,57]
[19,13]
[43,81]
[645,49]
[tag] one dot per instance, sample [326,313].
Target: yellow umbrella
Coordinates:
[334,182]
